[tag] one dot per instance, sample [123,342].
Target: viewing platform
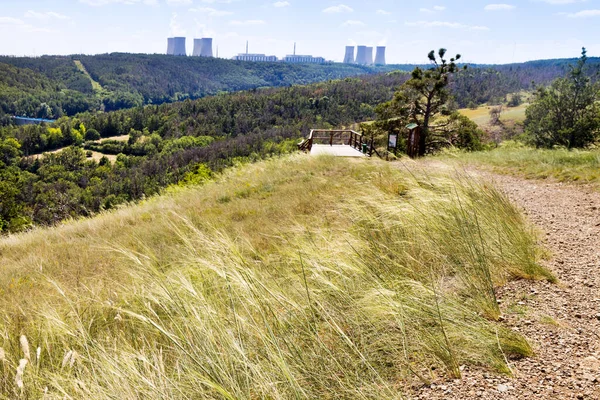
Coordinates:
[339,143]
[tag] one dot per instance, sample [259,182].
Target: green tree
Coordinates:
[92,134]
[566,113]
[425,100]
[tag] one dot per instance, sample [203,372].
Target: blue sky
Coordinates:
[482,31]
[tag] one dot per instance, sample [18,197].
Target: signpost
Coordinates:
[393,142]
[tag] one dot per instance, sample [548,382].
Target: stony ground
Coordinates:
[561,321]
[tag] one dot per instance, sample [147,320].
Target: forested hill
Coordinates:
[53,86]
[131,80]
[166,144]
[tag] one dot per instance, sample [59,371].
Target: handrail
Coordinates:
[356,140]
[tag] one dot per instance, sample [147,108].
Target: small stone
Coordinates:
[598,317]
[502,388]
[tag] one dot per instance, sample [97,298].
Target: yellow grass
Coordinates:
[481,115]
[290,278]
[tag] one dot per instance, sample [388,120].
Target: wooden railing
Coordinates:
[339,137]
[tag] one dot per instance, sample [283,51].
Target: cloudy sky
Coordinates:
[483,32]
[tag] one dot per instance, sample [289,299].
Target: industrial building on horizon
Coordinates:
[204,48]
[176,46]
[364,55]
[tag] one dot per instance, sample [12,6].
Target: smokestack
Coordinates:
[246,47]
[380,57]
[349,57]
[361,55]
[369,57]
[170,46]
[294,48]
[179,46]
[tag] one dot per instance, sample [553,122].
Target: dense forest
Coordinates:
[47,87]
[53,86]
[167,144]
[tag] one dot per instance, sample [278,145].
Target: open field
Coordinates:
[580,166]
[95,85]
[300,277]
[481,115]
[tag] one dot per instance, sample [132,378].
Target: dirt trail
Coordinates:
[561,321]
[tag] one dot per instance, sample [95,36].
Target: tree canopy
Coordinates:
[425,100]
[567,112]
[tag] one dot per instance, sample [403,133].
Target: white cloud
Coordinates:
[342,8]
[211,12]
[559,2]
[99,3]
[45,15]
[15,23]
[444,24]
[585,14]
[383,12]
[247,22]
[433,9]
[281,4]
[499,7]
[179,2]
[175,26]
[352,22]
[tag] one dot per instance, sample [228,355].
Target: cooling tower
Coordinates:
[349,57]
[361,55]
[369,56]
[170,46]
[179,46]
[206,49]
[197,48]
[380,57]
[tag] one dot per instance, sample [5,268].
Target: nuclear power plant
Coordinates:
[176,46]
[380,56]
[361,55]
[364,55]
[369,56]
[349,57]
[203,47]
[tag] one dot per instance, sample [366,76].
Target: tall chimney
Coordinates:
[369,57]
[179,47]
[170,46]
[246,47]
[380,57]
[349,57]
[361,55]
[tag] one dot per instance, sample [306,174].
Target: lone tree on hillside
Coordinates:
[425,99]
[566,113]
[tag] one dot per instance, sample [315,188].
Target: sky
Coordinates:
[481,31]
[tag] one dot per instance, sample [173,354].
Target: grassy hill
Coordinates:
[296,277]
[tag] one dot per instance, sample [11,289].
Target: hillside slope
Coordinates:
[297,277]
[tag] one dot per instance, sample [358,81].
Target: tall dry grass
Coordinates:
[291,278]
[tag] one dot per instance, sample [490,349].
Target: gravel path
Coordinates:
[561,321]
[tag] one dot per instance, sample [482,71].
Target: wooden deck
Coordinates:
[338,142]
[338,150]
